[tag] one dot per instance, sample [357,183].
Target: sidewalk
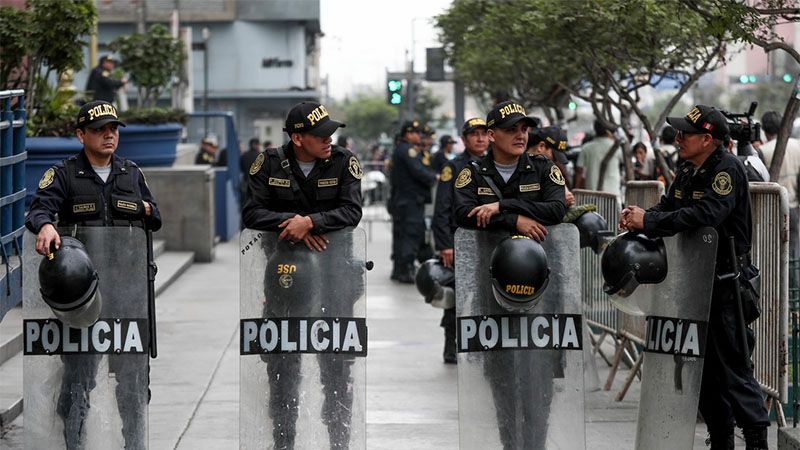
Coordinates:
[412,399]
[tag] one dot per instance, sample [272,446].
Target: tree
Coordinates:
[52,35]
[367,116]
[754,23]
[152,59]
[425,104]
[602,51]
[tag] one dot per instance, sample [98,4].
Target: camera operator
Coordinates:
[744,131]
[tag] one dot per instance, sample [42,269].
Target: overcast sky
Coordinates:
[364,38]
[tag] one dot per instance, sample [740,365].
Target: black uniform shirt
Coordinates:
[535,190]
[444,221]
[717,195]
[411,178]
[332,190]
[204,157]
[103,86]
[57,195]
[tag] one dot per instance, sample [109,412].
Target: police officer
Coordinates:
[443,154]
[476,141]
[94,188]
[304,190]
[411,182]
[207,154]
[551,142]
[100,83]
[711,189]
[511,190]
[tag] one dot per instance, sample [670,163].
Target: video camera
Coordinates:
[744,132]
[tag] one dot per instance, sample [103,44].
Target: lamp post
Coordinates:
[206,35]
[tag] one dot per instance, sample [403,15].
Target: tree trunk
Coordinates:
[785,131]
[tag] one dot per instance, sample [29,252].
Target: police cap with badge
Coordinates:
[553,137]
[470,125]
[506,114]
[97,114]
[702,119]
[311,118]
[411,126]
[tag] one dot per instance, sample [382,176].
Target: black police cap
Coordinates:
[410,126]
[702,119]
[506,114]
[96,114]
[312,118]
[473,124]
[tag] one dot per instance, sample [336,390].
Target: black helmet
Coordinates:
[293,272]
[590,225]
[633,259]
[435,282]
[519,273]
[69,284]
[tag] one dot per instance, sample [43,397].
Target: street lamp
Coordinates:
[206,35]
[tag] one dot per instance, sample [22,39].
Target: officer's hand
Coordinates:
[147,209]
[296,228]
[484,213]
[47,234]
[447,255]
[632,218]
[314,242]
[531,228]
[570,199]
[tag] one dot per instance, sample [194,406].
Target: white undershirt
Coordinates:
[306,167]
[103,172]
[505,170]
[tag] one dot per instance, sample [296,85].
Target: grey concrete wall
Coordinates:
[185,197]
[788,438]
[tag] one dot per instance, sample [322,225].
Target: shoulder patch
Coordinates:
[355,168]
[722,185]
[426,158]
[464,178]
[412,153]
[446,175]
[47,178]
[556,176]
[256,166]
[106,73]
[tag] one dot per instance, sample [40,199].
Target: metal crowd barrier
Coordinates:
[375,191]
[644,194]
[599,312]
[770,253]
[12,196]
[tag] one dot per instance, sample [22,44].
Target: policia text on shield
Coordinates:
[711,190]
[100,203]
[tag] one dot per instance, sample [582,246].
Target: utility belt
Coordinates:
[749,284]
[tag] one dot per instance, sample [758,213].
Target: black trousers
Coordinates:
[729,394]
[408,232]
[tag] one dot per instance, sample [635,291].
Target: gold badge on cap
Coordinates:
[256,166]
[722,185]
[355,168]
[464,178]
[47,178]
[556,176]
[446,175]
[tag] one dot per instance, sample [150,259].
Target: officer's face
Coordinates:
[310,146]
[477,142]
[694,148]
[511,141]
[541,149]
[100,142]
[413,137]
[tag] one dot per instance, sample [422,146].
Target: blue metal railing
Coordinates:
[12,196]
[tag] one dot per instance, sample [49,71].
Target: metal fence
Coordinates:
[770,253]
[598,311]
[12,196]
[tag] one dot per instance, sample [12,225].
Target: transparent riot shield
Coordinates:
[520,376]
[303,343]
[677,318]
[87,388]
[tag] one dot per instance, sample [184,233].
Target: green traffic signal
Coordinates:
[787,78]
[572,105]
[394,94]
[396,99]
[394,85]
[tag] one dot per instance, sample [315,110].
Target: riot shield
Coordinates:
[677,319]
[303,342]
[520,376]
[87,388]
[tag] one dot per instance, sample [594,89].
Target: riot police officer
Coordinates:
[304,190]
[510,190]
[711,189]
[94,188]
[476,141]
[411,182]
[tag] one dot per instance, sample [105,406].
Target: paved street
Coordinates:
[411,396]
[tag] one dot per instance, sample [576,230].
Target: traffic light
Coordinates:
[787,78]
[394,92]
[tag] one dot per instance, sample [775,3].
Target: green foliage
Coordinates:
[153,116]
[152,59]
[51,33]
[367,116]
[56,116]
[425,105]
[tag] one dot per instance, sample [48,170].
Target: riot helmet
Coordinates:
[519,273]
[436,282]
[633,259]
[293,273]
[591,227]
[69,284]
